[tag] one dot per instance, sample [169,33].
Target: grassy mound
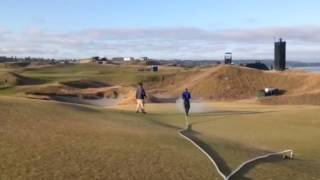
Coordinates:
[236,83]
[222,83]
[296,99]
[14,79]
[107,74]
[83,84]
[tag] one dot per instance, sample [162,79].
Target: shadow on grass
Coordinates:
[83,84]
[4,87]
[163,124]
[81,108]
[247,168]
[222,164]
[224,113]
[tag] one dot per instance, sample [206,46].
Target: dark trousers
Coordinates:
[186,106]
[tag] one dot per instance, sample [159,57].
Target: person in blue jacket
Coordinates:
[186,96]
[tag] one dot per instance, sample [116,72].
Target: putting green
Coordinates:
[240,131]
[42,140]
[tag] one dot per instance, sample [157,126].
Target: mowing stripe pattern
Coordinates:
[288,151]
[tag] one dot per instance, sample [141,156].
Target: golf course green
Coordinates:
[41,139]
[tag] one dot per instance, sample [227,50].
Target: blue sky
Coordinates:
[202,29]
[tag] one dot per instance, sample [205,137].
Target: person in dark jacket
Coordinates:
[186,96]
[140,95]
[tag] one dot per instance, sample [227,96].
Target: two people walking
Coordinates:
[141,95]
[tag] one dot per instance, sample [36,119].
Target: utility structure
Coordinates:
[228,58]
[280,55]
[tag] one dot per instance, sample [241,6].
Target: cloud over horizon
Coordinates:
[175,42]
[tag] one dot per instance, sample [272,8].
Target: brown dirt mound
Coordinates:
[302,99]
[236,83]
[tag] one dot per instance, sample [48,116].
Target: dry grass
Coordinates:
[223,83]
[229,83]
[42,140]
[236,132]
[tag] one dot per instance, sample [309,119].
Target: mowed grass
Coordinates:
[236,132]
[45,140]
[55,75]
[113,74]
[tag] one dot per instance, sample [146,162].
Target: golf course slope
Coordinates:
[227,83]
[48,140]
[42,140]
[219,83]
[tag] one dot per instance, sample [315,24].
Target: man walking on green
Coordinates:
[186,96]
[140,95]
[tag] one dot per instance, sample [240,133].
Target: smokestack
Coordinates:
[228,58]
[280,55]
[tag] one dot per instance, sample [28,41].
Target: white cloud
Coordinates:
[179,42]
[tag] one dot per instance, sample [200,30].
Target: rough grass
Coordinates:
[227,83]
[111,74]
[223,83]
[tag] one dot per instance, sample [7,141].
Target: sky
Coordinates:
[168,29]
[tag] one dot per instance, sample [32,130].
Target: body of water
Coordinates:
[309,69]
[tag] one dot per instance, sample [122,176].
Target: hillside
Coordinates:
[14,79]
[220,83]
[37,138]
[236,83]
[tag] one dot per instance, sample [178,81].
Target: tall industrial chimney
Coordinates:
[228,58]
[280,55]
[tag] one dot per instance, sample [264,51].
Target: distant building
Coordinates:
[118,59]
[144,58]
[103,60]
[128,59]
[280,55]
[228,58]
[99,60]
[85,61]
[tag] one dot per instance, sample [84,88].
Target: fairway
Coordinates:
[159,90]
[43,140]
[39,137]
